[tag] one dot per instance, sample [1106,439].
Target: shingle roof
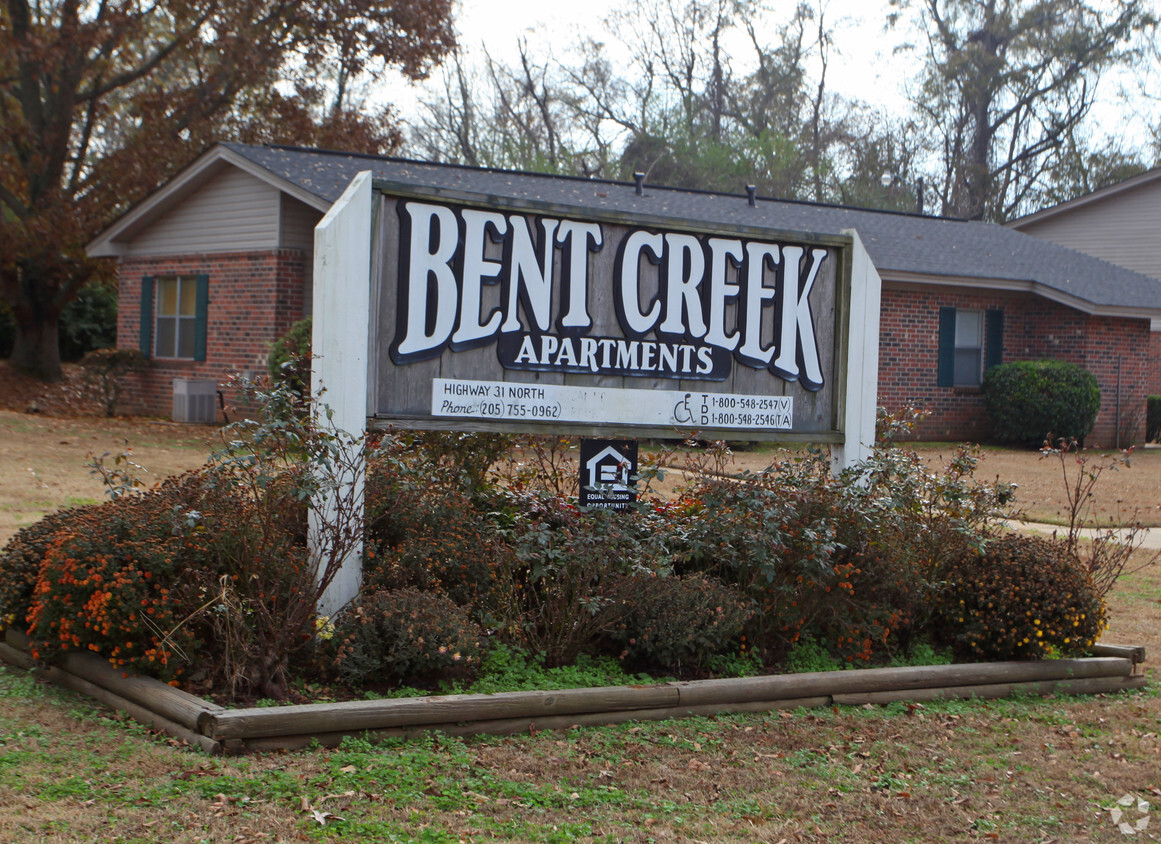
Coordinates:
[900,245]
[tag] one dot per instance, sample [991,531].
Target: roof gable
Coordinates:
[1141,180]
[143,229]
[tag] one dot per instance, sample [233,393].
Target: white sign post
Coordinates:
[339,339]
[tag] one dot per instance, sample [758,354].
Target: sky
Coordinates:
[862,63]
[858,65]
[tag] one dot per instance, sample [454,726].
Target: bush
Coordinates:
[258,489]
[676,623]
[465,558]
[105,369]
[289,358]
[1030,401]
[571,572]
[1023,597]
[20,563]
[1153,419]
[850,561]
[404,636]
[115,580]
[89,321]
[773,536]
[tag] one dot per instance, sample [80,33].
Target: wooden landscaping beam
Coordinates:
[160,698]
[523,725]
[358,716]
[16,657]
[1088,686]
[778,686]
[215,729]
[174,704]
[16,638]
[1133,652]
[535,707]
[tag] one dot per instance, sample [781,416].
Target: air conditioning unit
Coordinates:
[195,401]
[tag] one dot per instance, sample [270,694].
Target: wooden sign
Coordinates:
[519,319]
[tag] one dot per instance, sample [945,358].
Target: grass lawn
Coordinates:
[1034,770]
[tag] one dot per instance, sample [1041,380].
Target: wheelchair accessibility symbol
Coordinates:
[682,413]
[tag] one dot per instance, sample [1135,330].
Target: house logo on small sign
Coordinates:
[608,471]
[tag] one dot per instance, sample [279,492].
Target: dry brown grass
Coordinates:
[44,459]
[1123,494]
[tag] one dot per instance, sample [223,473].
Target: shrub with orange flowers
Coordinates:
[1022,597]
[20,562]
[115,581]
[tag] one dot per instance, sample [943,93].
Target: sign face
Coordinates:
[510,319]
[608,469]
[499,400]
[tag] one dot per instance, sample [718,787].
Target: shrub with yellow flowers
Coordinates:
[1021,597]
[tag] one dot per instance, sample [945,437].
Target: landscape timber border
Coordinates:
[218,730]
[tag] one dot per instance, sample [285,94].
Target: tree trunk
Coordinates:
[36,349]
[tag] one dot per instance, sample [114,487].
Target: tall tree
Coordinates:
[1004,84]
[99,101]
[708,94]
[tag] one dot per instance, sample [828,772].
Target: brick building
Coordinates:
[218,263]
[1118,224]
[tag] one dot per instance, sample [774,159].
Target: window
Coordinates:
[176,300]
[969,348]
[970,341]
[173,316]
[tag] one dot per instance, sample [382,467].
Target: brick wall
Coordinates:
[1033,328]
[1117,353]
[253,298]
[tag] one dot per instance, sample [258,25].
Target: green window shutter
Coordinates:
[994,354]
[946,356]
[203,303]
[145,331]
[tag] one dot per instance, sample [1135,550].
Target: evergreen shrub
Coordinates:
[405,636]
[680,622]
[89,321]
[1029,401]
[289,357]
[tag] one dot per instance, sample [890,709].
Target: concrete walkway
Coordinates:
[1147,537]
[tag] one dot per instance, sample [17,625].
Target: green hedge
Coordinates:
[1030,400]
